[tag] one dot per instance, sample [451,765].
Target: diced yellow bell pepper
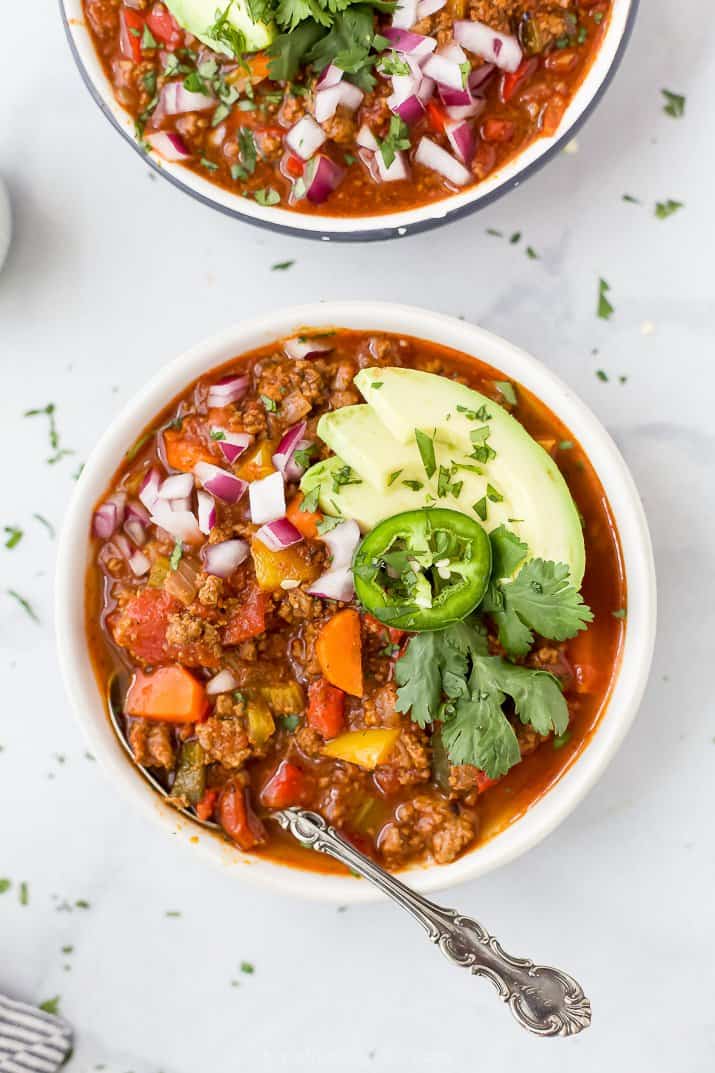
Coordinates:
[284,698]
[257,463]
[273,567]
[261,725]
[366,748]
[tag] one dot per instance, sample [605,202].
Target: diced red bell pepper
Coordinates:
[326,708]
[484,782]
[437,116]
[237,817]
[511,81]
[207,804]
[294,166]
[164,27]
[285,787]
[249,620]
[131,29]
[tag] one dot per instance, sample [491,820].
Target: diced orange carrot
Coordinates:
[305,521]
[183,453]
[170,694]
[339,651]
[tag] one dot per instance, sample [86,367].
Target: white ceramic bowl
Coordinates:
[172,380]
[362,228]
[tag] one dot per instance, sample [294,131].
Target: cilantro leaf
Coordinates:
[478,732]
[541,600]
[418,675]
[426,448]
[288,51]
[508,552]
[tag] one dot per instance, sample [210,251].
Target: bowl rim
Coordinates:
[543,816]
[376,228]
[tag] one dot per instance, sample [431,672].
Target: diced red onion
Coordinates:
[267,499]
[462,139]
[138,563]
[330,77]
[480,76]
[397,170]
[223,682]
[454,97]
[294,471]
[467,111]
[279,535]
[135,531]
[109,516]
[342,542]
[305,138]
[404,86]
[232,444]
[367,139]
[410,43]
[322,176]
[335,585]
[303,347]
[288,445]
[168,144]
[446,72]
[409,110]
[433,156]
[425,89]
[178,486]
[428,7]
[149,491]
[369,159]
[206,510]
[221,484]
[224,559]
[137,511]
[502,49]
[328,100]
[228,389]
[405,14]
[176,99]
[180,524]
[180,504]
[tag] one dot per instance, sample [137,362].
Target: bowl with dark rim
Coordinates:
[630,668]
[326,227]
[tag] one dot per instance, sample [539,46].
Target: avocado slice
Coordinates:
[199,16]
[520,487]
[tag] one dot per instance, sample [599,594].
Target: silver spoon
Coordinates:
[544,1000]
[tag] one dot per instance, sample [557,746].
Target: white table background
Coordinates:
[110,275]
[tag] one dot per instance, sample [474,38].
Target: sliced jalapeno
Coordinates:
[424,569]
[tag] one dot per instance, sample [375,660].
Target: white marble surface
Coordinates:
[111,274]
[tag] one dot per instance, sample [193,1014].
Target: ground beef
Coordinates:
[426,825]
[379,708]
[381,352]
[309,741]
[151,743]
[254,419]
[194,637]
[291,110]
[103,16]
[210,591]
[341,793]
[280,378]
[224,738]
[341,127]
[342,391]
[409,762]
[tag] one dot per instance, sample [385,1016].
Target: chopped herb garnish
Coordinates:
[425,446]
[397,138]
[148,39]
[493,231]
[516,237]
[393,477]
[674,104]
[416,486]
[217,434]
[267,196]
[602,375]
[5,885]
[664,209]
[269,404]
[24,893]
[309,503]
[48,526]
[620,613]
[134,451]
[492,495]
[480,508]
[281,266]
[176,555]
[208,164]
[328,523]
[562,739]
[532,254]
[631,200]
[565,445]
[376,384]
[24,604]
[51,1005]
[344,476]
[248,968]
[14,536]
[604,309]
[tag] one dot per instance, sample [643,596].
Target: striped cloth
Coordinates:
[31,1041]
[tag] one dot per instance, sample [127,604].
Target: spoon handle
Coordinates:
[543,1000]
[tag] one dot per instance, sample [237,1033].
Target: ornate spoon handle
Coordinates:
[545,1001]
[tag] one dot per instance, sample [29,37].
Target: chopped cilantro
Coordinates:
[148,39]
[269,404]
[24,604]
[376,384]
[630,199]
[309,503]
[621,613]
[14,536]
[565,445]
[248,968]
[393,477]
[516,237]
[48,526]
[176,555]
[425,446]
[24,893]
[415,486]
[267,196]
[532,254]
[604,310]
[397,138]
[328,523]
[664,209]
[492,495]
[281,266]
[562,739]
[674,104]
[51,1005]
[507,390]
[493,231]
[480,508]
[343,477]
[5,885]
[602,375]
[208,164]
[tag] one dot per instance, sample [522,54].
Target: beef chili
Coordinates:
[370,109]
[420,716]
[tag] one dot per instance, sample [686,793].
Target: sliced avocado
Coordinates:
[520,487]
[200,16]
[361,439]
